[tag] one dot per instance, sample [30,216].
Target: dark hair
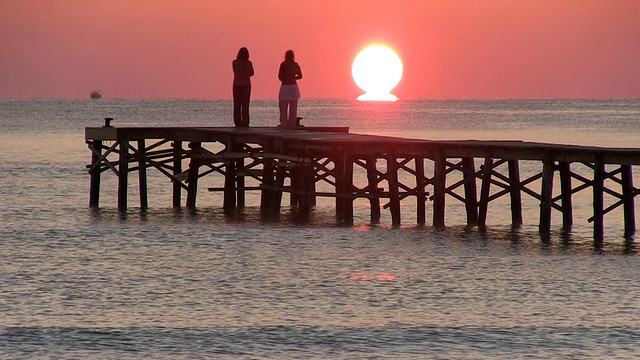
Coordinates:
[243,53]
[289,55]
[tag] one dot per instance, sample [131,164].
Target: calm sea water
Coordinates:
[178,284]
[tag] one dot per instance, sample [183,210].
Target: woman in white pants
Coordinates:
[289,94]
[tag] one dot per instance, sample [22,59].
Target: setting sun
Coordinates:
[377,70]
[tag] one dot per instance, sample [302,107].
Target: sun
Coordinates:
[377,69]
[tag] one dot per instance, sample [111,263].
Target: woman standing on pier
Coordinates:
[242,73]
[289,94]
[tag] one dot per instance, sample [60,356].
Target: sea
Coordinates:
[172,283]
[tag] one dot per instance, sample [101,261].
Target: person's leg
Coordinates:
[283,112]
[237,115]
[293,113]
[246,98]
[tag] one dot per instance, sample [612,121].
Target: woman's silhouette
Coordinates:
[289,94]
[242,73]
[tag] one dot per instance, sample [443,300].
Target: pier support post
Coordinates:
[628,201]
[565,193]
[514,191]
[240,183]
[344,187]
[94,190]
[485,189]
[304,197]
[123,174]
[470,190]
[177,169]
[439,185]
[598,201]
[142,175]
[266,196]
[192,175]
[372,181]
[546,194]
[229,202]
[240,179]
[421,194]
[394,191]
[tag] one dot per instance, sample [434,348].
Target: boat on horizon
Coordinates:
[95,94]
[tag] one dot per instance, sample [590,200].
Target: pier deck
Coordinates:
[297,161]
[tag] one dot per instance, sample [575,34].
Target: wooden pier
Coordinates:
[312,162]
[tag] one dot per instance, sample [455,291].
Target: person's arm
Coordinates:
[280,74]
[298,74]
[250,68]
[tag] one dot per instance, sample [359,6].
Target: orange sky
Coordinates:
[450,48]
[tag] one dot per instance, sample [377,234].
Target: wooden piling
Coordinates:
[94,187]
[240,183]
[372,186]
[268,182]
[439,185]
[485,189]
[421,193]
[598,200]
[193,174]
[394,194]
[564,168]
[142,175]
[230,192]
[470,190]
[123,174]
[177,169]
[546,193]
[514,192]
[627,199]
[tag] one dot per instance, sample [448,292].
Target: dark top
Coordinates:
[289,72]
[242,72]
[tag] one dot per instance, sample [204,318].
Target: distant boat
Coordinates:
[95,94]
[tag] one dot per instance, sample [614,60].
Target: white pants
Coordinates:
[288,113]
[288,101]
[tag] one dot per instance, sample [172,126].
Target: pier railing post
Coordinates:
[94,190]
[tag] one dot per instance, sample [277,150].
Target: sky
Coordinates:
[182,49]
